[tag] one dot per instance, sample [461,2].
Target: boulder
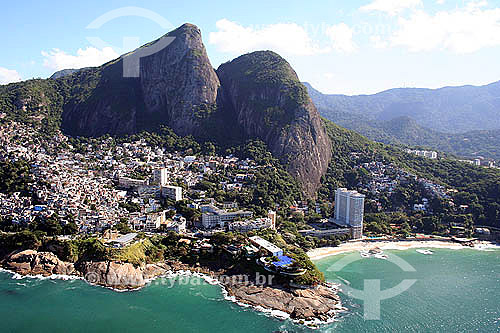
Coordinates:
[31,262]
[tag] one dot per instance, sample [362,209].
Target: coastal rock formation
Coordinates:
[104,273]
[301,304]
[268,102]
[120,275]
[174,84]
[30,262]
[306,304]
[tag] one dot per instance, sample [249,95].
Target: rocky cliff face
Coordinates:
[268,102]
[319,303]
[120,275]
[179,83]
[30,262]
[110,274]
[174,85]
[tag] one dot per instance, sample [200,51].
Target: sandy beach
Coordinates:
[319,253]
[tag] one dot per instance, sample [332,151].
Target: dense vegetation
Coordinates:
[15,177]
[477,187]
[37,103]
[270,185]
[406,131]
[72,250]
[452,120]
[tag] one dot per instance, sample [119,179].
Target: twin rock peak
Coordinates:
[255,96]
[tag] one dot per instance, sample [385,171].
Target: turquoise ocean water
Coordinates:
[456,291]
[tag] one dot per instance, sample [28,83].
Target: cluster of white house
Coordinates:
[423,153]
[480,162]
[421,206]
[213,217]
[252,224]
[158,220]
[159,184]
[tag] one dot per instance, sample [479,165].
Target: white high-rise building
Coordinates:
[271,214]
[160,177]
[172,192]
[349,210]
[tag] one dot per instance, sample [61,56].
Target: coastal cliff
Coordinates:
[118,275]
[301,304]
[268,101]
[111,274]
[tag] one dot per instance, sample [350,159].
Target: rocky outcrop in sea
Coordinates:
[319,304]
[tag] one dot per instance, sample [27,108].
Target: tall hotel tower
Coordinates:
[349,210]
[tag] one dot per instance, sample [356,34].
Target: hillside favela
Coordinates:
[329,166]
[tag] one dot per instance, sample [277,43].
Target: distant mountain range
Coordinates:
[461,120]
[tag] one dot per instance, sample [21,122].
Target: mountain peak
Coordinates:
[269,102]
[255,96]
[185,29]
[172,83]
[262,66]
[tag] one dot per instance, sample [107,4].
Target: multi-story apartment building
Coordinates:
[160,177]
[172,192]
[349,210]
[214,217]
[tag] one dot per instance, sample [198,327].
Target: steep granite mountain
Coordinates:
[265,97]
[449,109]
[175,85]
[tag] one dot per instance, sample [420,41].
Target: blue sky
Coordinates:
[339,46]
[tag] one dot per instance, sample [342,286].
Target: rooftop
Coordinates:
[126,238]
[265,244]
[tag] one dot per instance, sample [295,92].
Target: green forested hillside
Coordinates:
[386,118]
[405,131]
[482,185]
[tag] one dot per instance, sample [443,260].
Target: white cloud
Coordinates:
[440,2]
[91,56]
[341,38]
[288,38]
[391,7]
[378,43]
[329,76]
[9,76]
[462,30]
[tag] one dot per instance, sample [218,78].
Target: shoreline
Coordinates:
[209,278]
[401,245]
